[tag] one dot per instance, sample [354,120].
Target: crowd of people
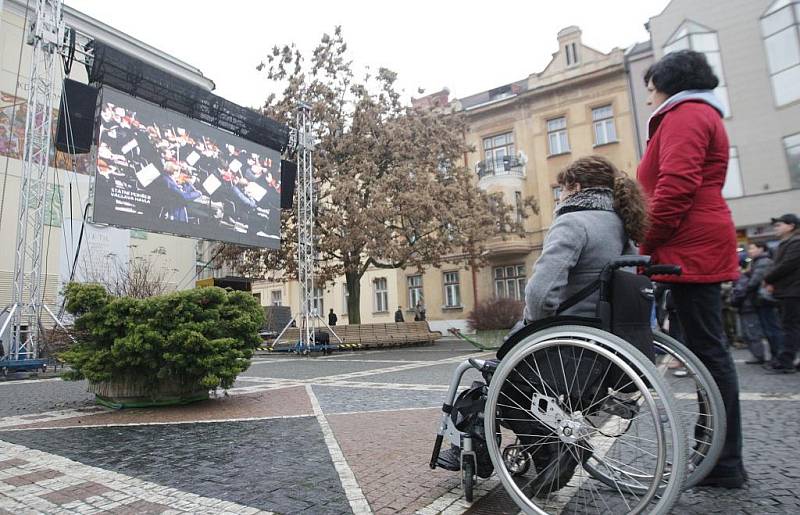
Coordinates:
[767,299]
[157,174]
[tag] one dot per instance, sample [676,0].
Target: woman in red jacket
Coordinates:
[682,174]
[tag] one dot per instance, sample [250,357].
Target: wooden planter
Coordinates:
[138,393]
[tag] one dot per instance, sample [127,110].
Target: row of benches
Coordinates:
[368,335]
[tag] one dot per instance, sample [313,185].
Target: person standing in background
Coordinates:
[764,303]
[682,173]
[783,282]
[752,333]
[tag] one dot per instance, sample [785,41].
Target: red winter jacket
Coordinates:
[682,174]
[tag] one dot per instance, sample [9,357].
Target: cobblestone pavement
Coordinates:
[347,433]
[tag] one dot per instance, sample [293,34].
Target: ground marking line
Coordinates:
[348,480]
[386,386]
[377,371]
[452,502]
[385,410]
[47,416]
[327,361]
[28,381]
[749,396]
[172,423]
[279,383]
[136,489]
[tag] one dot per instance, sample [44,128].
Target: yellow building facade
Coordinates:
[522,134]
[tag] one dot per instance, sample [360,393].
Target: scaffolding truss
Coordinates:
[46,35]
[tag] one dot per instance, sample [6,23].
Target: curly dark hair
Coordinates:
[629,201]
[681,70]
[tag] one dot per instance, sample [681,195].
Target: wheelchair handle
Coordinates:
[625,261]
[662,270]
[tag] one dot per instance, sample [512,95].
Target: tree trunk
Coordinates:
[353,297]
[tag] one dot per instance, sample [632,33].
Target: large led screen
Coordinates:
[163,172]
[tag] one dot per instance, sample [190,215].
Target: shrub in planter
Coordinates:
[194,340]
[495,314]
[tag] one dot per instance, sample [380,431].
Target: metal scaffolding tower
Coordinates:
[305,224]
[46,35]
[308,318]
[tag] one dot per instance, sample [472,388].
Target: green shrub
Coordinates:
[205,335]
[495,314]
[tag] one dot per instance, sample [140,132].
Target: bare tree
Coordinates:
[140,277]
[393,188]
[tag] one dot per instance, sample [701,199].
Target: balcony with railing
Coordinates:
[513,166]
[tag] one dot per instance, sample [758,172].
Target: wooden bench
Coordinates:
[367,336]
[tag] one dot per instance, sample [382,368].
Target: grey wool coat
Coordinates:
[586,234]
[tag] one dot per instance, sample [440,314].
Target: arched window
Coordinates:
[779,26]
[693,36]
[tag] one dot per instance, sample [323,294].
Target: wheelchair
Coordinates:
[572,418]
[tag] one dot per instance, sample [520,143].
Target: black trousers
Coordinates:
[790,321]
[699,307]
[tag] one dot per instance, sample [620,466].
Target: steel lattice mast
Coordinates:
[305,225]
[46,36]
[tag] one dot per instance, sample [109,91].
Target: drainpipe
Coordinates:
[634,111]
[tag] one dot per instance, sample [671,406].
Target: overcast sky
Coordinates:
[467,46]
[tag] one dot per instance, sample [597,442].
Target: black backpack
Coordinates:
[628,310]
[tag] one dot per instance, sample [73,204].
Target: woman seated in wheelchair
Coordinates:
[600,210]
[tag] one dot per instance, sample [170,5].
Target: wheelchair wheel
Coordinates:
[468,478]
[699,402]
[567,396]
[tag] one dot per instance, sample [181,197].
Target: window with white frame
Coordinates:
[496,148]
[276,297]
[414,290]
[693,36]
[603,124]
[509,282]
[733,179]
[452,290]
[317,305]
[345,298]
[780,27]
[380,295]
[556,193]
[557,136]
[792,146]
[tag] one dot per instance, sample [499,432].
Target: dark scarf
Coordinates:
[589,199]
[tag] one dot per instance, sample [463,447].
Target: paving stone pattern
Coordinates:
[346,400]
[378,405]
[280,465]
[33,397]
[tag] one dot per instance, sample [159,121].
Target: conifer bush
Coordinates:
[203,336]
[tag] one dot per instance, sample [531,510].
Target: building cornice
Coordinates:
[526,96]
[100,31]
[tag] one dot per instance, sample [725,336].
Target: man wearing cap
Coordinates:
[783,279]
